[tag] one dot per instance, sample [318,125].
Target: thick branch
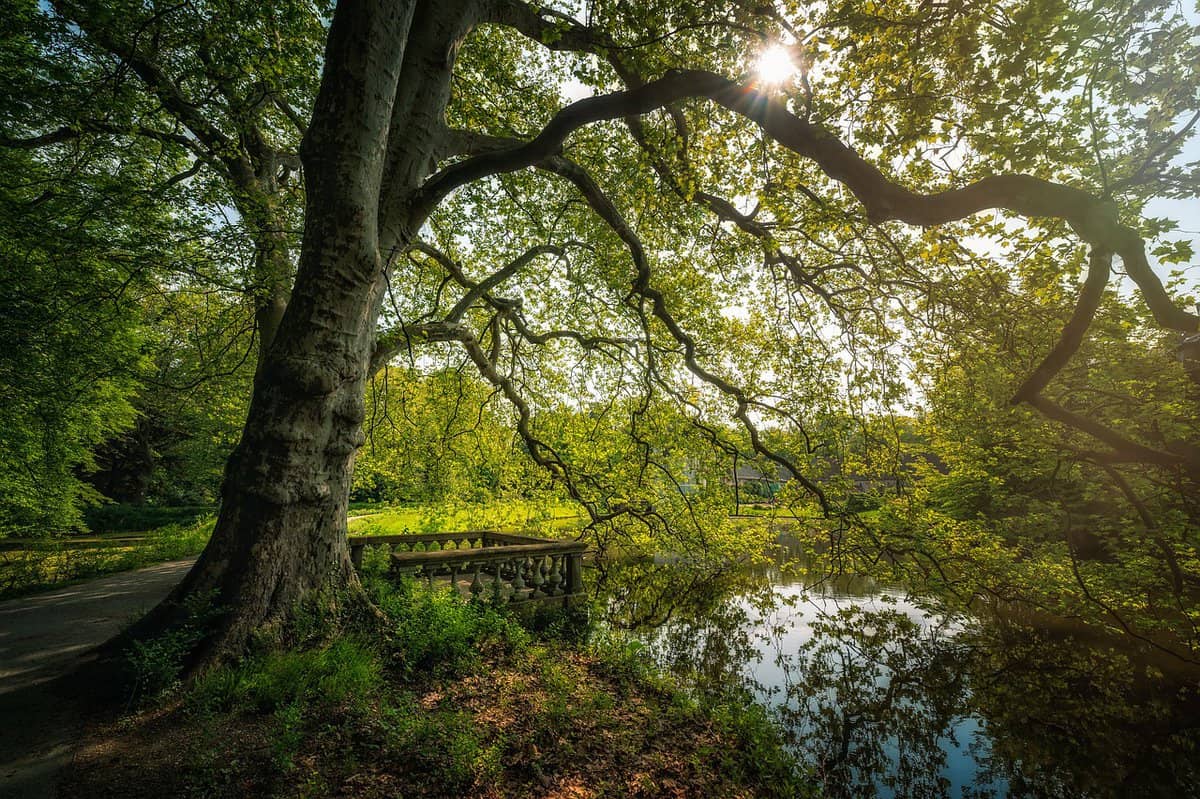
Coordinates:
[1094,220]
[83,127]
[1123,448]
[476,291]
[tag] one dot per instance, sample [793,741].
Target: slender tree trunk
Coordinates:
[273,273]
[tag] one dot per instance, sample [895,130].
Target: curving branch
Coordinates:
[1093,219]
[451,328]
[1099,268]
[608,212]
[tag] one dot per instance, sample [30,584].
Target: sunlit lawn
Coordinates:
[525,515]
[31,564]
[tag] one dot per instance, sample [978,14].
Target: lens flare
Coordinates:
[775,65]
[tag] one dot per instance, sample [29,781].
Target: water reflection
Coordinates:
[881,694]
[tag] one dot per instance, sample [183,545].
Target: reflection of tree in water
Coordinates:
[1082,719]
[868,698]
[871,696]
[699,622]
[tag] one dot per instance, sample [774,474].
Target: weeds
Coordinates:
[156,663]
[344,672]
[461,697]
[435,633]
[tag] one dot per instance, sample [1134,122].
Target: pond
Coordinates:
[883,694]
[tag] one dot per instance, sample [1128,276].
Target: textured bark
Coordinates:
[376,129]
[281,534]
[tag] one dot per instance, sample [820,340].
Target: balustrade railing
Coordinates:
[501,567]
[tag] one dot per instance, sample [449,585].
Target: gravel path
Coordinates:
[42,639]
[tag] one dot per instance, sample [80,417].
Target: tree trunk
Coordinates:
[280,537]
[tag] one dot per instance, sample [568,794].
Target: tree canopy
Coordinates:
[939,215]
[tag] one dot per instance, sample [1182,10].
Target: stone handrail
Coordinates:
[506,567]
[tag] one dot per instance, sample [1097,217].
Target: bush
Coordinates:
[156,663]
[117,518]
[859,502]
[437,632]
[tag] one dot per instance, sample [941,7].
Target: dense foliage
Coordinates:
[697,282]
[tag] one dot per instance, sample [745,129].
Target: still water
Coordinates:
[883,694]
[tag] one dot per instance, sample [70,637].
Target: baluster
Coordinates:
[497,584]
[454,579]
[476,586]
[556,578]
[518,582]
[535,576]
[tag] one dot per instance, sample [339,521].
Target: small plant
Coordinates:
[447,745]
[287,736]
[156,663]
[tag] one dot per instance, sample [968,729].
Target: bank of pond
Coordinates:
[882,693]
[666,678]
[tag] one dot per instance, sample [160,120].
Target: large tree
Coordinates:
[693,232]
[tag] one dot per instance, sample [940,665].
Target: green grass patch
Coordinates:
[55,562]
[437,518]
[344,671]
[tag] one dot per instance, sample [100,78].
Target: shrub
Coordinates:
[438,632]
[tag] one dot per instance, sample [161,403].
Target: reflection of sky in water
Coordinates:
[782,636]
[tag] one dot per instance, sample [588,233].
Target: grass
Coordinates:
[436,518]
[50,563]
[130,537]
[460,699]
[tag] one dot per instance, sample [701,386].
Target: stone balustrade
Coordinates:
[485,564]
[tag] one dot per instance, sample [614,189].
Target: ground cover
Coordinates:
[456,699]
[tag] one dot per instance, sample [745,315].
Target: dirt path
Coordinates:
[42,638]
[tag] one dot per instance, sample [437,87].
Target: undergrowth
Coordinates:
[55,562]
[463,698]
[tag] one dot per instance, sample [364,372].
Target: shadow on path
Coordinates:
[44,639]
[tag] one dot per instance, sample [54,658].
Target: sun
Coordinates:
[775,65]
